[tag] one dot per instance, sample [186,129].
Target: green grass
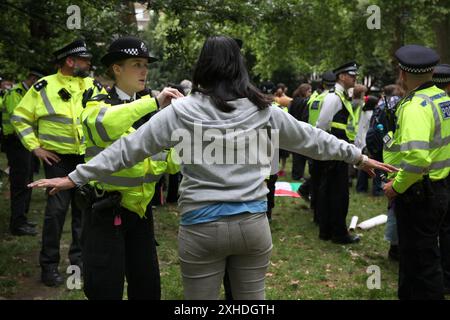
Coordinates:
[302,266]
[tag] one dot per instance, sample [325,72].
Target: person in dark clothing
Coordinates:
[297,109]
[20,160]
[118,238]
[336,116]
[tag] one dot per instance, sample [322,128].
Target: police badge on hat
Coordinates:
[350,67]
[125,48]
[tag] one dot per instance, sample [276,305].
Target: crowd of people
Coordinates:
[105,150]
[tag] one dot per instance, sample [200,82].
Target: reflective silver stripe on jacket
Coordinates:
[25,132]
[20,119]
[59,119]
[47,103]
[50,137]
[99,126]
[129,182]
[437,142]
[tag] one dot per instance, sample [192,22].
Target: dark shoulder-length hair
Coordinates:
[220,67]
[302,90]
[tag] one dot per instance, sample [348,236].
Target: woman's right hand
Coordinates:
[57,184]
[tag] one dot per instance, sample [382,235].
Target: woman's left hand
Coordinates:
[370,165]
[57,184]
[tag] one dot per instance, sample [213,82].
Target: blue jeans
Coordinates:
[390,233]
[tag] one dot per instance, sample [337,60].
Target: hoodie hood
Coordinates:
[199,108]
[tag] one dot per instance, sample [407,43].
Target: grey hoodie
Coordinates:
[208,183]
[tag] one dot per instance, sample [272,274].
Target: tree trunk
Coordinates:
[129,16]
[442,31]
[39,28]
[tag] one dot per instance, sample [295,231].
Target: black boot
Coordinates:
[31,224]
[51,277]
[24,230]
[346,239]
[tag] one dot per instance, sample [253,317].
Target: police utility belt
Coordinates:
[423,191]
[91,198]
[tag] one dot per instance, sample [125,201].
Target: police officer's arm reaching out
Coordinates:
[57,184]
[166,95]
[164,98]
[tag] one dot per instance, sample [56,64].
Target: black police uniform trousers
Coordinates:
[362,183]
[298,166]
[172,189]
[315,170]
[158,197]
[444,243]
[20,162]
[112,252]
[419,217]
[332,199]
[55,215]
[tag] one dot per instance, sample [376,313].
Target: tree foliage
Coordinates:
[287,39]
[284,40]
[32,29]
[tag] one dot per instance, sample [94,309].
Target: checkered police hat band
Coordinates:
[72,51]
[441,80]
[131,51]
[416,70]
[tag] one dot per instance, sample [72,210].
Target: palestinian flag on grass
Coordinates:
[287,189]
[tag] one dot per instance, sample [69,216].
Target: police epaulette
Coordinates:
[98,85]
[39,85]
[99,97]
[408,98]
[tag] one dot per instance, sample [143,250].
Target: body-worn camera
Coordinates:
[64,94]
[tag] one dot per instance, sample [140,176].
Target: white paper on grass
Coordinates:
[373,222]
[353,223]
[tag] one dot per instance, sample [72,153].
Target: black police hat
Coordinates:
[350,67]
[329,78]
[76,48]
[124,48]
[416,59]
[441,74]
